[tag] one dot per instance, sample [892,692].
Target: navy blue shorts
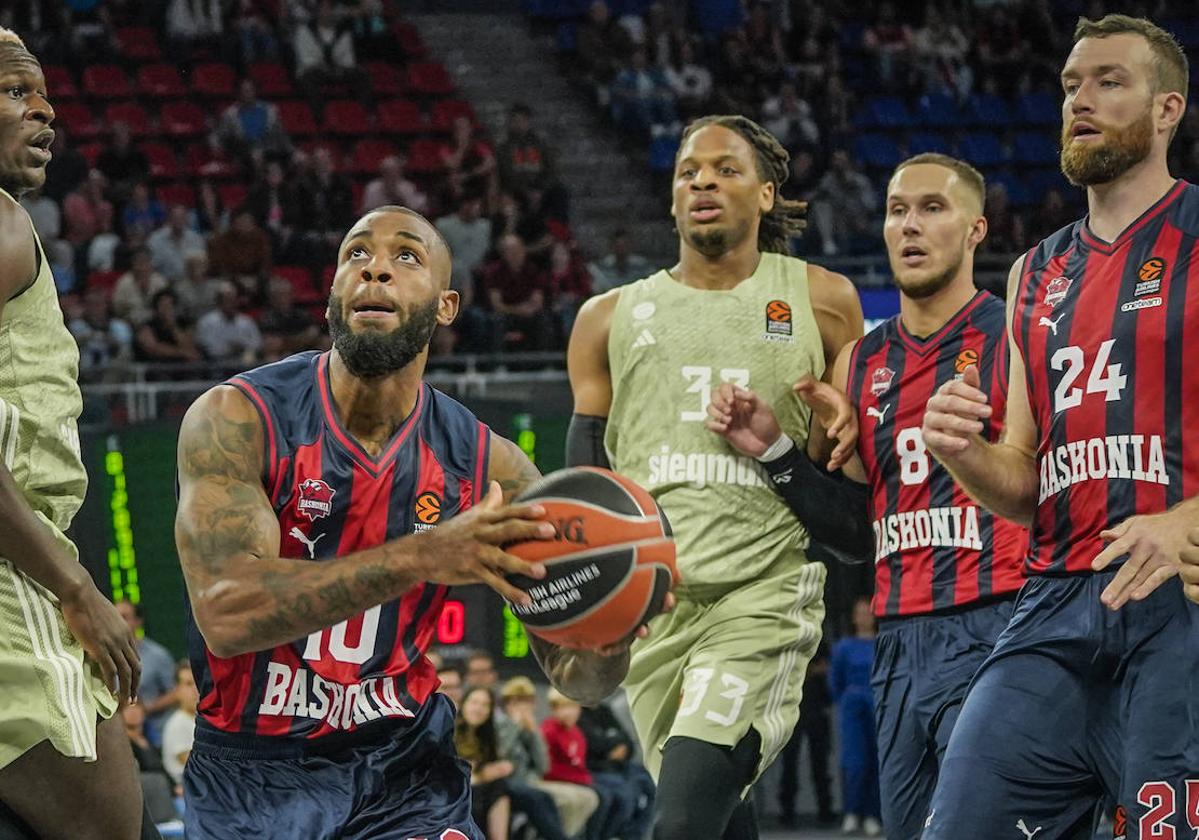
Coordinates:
[410,785]
[1078,704]
[923,666]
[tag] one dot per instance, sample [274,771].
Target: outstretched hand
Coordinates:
[836,414]
[742,418]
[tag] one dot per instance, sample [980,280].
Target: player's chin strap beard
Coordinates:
[370,355]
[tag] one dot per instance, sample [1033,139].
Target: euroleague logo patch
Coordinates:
[965,359]
[1149,276]
[428,511]
[778,321]
[316,499]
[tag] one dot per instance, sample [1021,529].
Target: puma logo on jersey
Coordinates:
[645,339]
[299,535]
[1025,830]
[879,414]
[1045,322]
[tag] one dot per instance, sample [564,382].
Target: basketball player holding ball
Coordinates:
[715,690]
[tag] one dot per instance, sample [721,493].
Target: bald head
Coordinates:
[393,221]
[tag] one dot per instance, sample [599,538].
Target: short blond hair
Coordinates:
[8,36]
[1169,59]
[973,180]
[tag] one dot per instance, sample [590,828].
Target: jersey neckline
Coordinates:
[922,346]
[1154,210]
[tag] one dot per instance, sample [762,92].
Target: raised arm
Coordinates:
[245,597]
[25,540]
[590,381]
[838,311]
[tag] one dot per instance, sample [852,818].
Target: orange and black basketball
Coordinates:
[609,565]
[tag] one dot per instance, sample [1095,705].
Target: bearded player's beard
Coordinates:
[929,286]
[1088,163]
[372,354]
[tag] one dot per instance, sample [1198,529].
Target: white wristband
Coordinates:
[777,449]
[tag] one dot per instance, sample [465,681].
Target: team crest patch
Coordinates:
[316,499]
[428,511]
[1055,291]
[778,321]
[880,380]
[1149,277]
[965,359]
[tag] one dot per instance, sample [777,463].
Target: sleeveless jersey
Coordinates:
[40,402]
[1103,329]
[935,549]
[669,346]
[332,498]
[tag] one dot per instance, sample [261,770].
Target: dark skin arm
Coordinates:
[245,597]
[26,542]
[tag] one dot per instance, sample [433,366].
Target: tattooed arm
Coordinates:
[586,676]
[245,597]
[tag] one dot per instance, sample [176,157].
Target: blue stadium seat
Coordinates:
[1017,192]
[889,112]
[981,149]
[556,9]
[662,151]
[936,110]
[715,17]
[987,109]
[1039,109]
[925,141]
[1041,181]
[1035,147]
[877,150]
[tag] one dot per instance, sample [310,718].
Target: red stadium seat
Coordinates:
[386,80]
[430,78]
[138,43]
[408,40]
[424,157]
[203,162]
[161,81]
[271,79]
[369,153]
[213,81]
[232,195]
[163,165]
[90,152]
[445,111]
[347,118]
[303,290]
[60,84]
[79,119]
[326,278]
[105,280]
[340,163]
[130,113]
[296,118]
[357,188]
[182,119]
[176,193]
[106,81]
[400,116]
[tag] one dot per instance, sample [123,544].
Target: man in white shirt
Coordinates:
[226,334]
[172,244]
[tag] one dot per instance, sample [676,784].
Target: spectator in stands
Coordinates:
[538,224]
[328,200]
[147,755]
[570,285]
[143,213]
[567,746]
[738,88]
[276,202]
[642,100]
[845,210]
[450,675]
[476,741]
[790,118]
[166,337]
[226,334]
[764,42]
[468,233]
[102,249]
[393,187]
[191,23]
[603,44]
[250,127]
[469,162]
[156,692]
[942,50]
[105,346]
[1005,227]
[480,670]
[324,50]
[47,221]
[524,159]
[610,759]
[69,169]
[890,42]
[835,112]
[286,328]
[255,33]
[87,211]
[122,163]
[136,287]
[172,244]
[516,290]
[521,743]
[178,732]
[372,36]
[690,81]
[210,215]
[243,252]
[849,686]
[195,291]
[620,265]
[1000,48]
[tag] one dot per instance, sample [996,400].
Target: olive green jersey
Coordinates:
[668,347]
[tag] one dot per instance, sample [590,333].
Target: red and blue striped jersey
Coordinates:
[935,549]
[332,498]
[1103,330]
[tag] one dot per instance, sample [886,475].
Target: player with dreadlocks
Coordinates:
[715,687]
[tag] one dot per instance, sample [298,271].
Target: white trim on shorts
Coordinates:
[774,737]
[8,432]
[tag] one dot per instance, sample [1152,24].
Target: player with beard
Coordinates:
[715,693]
[1093,688]
[65,654]
[946,571]
[326,503]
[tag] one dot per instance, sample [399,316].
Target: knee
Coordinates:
[676,823]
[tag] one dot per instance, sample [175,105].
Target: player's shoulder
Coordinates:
[1184,214]
[829,285]
[1060,242]
[451,431]
[16,247]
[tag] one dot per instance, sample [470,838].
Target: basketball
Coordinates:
[608,566]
